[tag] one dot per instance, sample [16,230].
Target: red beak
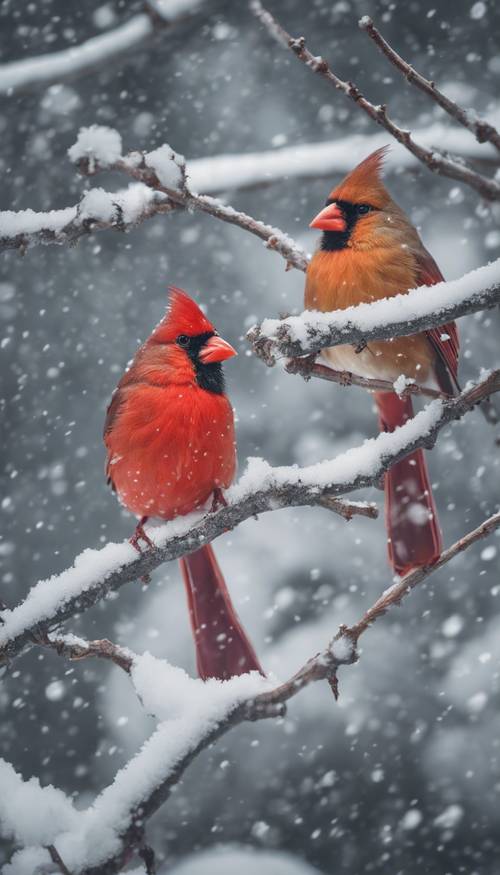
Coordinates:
[216,349]
[331,218]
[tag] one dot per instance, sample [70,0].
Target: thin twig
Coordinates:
[135,165]
[487,188]
[483,131]
[307,367]
[77,648]
[395,594]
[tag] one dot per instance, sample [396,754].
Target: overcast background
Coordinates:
[403,774]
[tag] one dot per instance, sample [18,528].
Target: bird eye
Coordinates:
[183,340]
[363,209]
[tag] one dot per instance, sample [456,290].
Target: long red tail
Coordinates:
[222,647]
[414,536]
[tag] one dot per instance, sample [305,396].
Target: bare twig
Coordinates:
[395,594]
[280,487]
[444,166]
[483,131]
[77,648]
[379,320]
[307,367]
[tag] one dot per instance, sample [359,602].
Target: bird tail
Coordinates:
[222,647]
[413,532]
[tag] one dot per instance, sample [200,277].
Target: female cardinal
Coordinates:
[169,433]
[370,250]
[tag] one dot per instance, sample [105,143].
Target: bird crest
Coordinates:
[183,316]
[364,183]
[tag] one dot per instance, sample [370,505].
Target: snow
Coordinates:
[245,861]
[171,10]
[330,158]
[402,383]
[44,599]
[167,165]
[96,204]
[98,144]
[30,813]
[417,303]
[190,709]
[92,567]
[30,222]
[59,65]
[357,462]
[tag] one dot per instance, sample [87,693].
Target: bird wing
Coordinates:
[445,338]
[111,414]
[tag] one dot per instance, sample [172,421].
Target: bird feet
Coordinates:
[140,535]
[345,378]
[218,500]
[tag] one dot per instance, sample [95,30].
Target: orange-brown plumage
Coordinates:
[369,251]
[169,434]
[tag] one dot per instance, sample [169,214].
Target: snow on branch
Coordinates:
[97,210]
[193,715]
[98,51]
[161,187]
[230,172]
[97,573]
[123,210]
[438,163]
[402,315]
[483,131]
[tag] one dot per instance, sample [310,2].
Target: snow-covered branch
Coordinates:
[193,715]
[417,310]
[438,163]
[161,186]
[94,53]
[123,210]
[96,211]
[262,488]
[96,573]
[483,131]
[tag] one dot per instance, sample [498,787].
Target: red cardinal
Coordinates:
[370,250]
[169,434]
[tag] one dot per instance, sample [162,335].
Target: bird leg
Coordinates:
[218,500]
[140,535]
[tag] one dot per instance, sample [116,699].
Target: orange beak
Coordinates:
[216,349]
[331,218]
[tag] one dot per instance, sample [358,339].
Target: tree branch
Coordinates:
[261,488]
[451,168]
[483,131]
[307,367]
[94,53]
[402,315]
[97,573]
[77,648]
[342,650]
[161,187]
